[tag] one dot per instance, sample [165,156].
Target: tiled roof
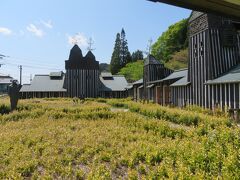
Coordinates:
[181,82]
[106,74]
[140,81]
[151,60]
[175,75]
[233,76]
[44,83]
[5,79]
[116,83]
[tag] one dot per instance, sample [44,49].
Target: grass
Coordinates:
[58,139]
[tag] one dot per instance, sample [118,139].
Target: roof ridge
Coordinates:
[183,69]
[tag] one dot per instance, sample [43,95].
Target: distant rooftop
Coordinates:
[45,83]
[5,79]
[140,81]
[151,60]
[106,74]
[114,83]
[177,74]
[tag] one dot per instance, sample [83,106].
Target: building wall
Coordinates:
[113,94]
[181,95]
[27,95]
[213,51]
[82,82]
[4,88]
[224,96]
[82,74]
[153,72]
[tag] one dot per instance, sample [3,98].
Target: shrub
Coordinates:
[4,109]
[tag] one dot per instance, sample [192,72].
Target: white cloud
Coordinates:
[47,24]
[5,31]
[79,39]
[36,31]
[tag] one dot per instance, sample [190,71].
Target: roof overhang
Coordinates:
[150,86]
[228,8]
[222,82]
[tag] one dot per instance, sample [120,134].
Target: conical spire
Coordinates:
[151,60]
[75,53]
[90,56]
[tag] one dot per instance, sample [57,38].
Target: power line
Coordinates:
[25,60]
[20,67]
[34,67]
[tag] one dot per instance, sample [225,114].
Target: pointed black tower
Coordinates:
[153,70]
[82,74]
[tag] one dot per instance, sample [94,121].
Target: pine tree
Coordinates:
[137,55]
[120,56]
[115,64]
[125,56]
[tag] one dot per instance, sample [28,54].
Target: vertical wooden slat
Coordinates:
[234,96]
[221,96]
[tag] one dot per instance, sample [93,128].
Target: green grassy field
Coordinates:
[98,139]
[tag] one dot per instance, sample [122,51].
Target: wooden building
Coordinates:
[213,75]
[5,81]
[163,94]
[44,86]
[214,50]
[82,74]
[82,79]
[137,90]
[113,86]
[153,70]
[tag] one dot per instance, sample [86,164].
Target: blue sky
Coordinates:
[38,34]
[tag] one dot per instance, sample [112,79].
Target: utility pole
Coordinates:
[1,57]
[149,47]
[20,67]
[30,78]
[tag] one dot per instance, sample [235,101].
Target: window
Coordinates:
[201,48]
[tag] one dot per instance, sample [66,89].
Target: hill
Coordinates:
[104,67]
[179,60]
[172,44]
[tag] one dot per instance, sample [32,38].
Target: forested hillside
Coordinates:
[171,46]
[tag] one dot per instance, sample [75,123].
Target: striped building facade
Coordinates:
[82,74]
[82,79]
[213,52]
[153,70]
[212,79]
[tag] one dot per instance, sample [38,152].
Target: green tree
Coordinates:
[171,41]
[137,55]
[115,64]
[125,56]
[133,71]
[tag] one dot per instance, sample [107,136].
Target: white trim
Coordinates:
[229,96]
[234,96]
[221,97]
